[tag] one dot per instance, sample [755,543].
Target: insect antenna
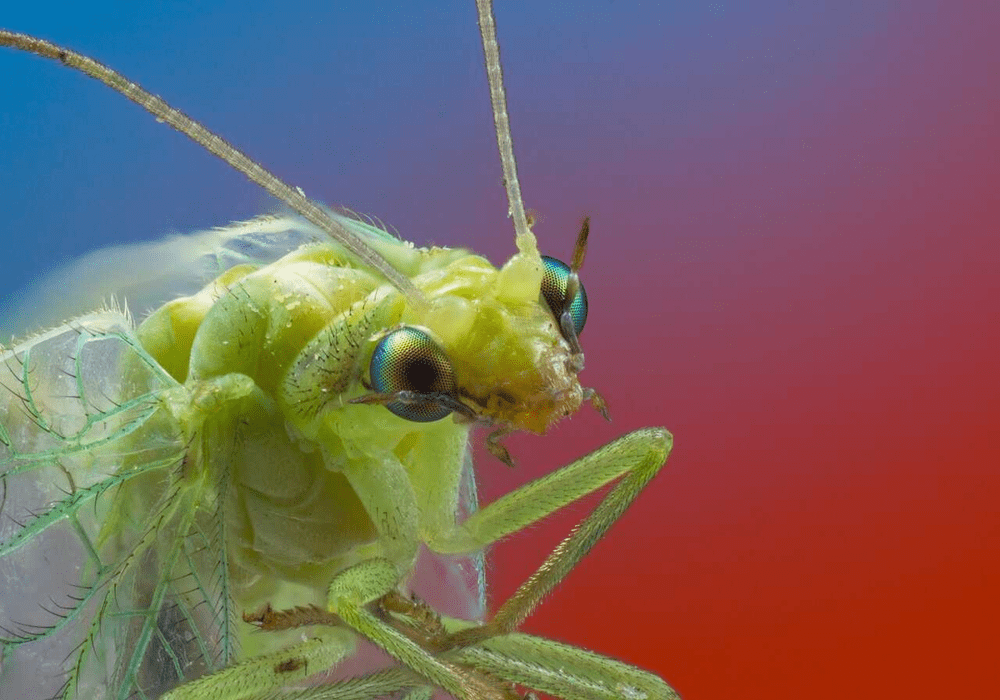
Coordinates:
[525,239]
[219,147]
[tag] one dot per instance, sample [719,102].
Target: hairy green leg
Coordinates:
[561,670]
[377,684]
[263,674]
[368,581]
[423,692]
[544,665]
[540,664]
[548,666]
[555,668]
[635,459]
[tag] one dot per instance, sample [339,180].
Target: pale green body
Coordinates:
[272,356]
[245,385]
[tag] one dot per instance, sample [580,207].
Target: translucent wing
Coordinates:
[145,275]
[103,552]
[455,585]
[98,541]
[142,276]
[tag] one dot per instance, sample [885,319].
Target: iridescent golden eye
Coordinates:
[408,360]
[555,273]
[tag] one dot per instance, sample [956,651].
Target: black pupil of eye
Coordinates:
[422,375]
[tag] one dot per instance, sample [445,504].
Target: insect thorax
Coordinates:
[271,357]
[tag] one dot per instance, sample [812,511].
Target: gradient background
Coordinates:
[793,267]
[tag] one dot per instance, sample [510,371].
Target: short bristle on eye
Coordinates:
[554,276]
[409,360]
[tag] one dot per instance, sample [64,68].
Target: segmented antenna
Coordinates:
[219,147]
[525,239]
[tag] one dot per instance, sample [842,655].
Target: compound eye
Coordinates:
[555,274]
[408,360]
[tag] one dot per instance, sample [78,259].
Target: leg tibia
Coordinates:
[634,459]
[563,671]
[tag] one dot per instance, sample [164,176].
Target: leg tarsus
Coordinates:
[267,619]
[415,619]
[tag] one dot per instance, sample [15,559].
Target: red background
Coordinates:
[793,268]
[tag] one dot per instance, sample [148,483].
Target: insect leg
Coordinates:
[368,581]
[378,684]
[269,672]
[635,459]
[540,664]
[561,670]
